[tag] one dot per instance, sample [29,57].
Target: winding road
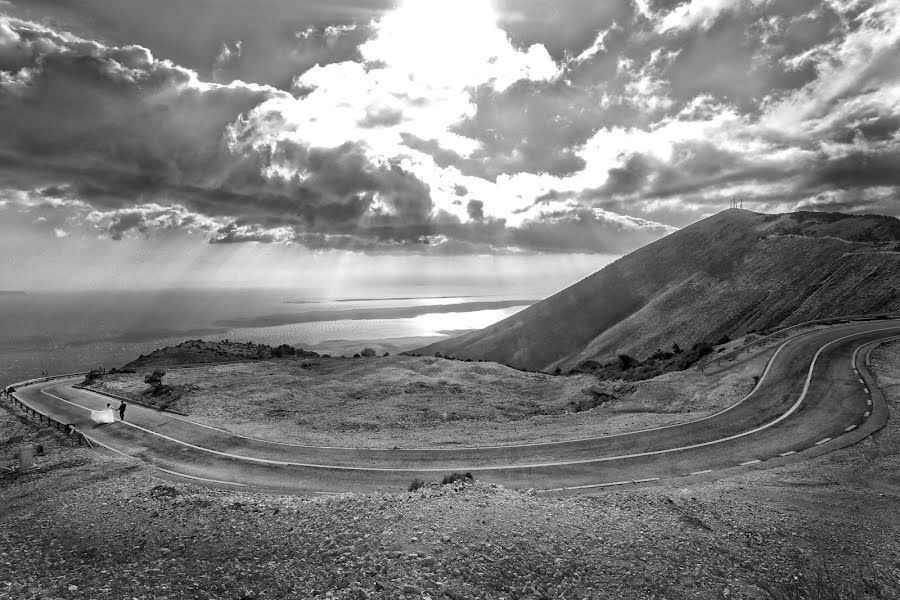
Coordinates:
[815,396]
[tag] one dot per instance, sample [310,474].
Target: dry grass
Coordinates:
[420,401]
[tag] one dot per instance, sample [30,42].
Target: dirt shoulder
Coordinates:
[108,528]
[405,401]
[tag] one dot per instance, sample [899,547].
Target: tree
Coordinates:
[676,349]
[92,376]
[154,380]
[367,352]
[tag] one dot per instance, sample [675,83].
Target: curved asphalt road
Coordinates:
[811,396]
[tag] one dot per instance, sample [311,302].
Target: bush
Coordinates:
[154,380]
[416,484]
[660,355]
[723,340]
[454,477]
[284,350]
[368,352]
[627,362]
[93,376]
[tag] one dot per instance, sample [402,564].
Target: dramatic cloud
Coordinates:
[454,127]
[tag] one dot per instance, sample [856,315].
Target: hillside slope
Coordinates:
[733,272]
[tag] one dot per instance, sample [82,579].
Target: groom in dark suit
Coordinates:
[122,411]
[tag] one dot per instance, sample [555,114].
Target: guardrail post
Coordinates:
[26,458]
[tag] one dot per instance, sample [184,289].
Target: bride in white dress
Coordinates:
[103,416]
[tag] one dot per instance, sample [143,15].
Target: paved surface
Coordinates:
[814,397]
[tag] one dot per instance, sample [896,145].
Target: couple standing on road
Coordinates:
[106,416]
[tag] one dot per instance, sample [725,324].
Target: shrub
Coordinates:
[627,362]
[723,340]
[284,350]
[154,380]
[367,352]
[454,477]
[415,484]
[660,355]
[92,376]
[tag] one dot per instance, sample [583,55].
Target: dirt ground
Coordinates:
[88,524]
[405,401]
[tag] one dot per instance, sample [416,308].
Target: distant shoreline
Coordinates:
[378,299]
[12,293]
[357,314]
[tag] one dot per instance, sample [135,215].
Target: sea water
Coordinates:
[69,332]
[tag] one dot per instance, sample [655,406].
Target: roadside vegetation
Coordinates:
[629,368]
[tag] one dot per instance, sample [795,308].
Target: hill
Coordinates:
[195,352]
[734,272]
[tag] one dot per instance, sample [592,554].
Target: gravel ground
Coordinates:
[91,525]
[405,401]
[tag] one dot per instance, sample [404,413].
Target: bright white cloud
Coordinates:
[694,13]
[418,74]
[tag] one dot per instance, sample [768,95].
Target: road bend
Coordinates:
[809,395]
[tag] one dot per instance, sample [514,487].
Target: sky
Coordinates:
[275,142]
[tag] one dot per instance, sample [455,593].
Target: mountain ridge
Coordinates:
[730,273]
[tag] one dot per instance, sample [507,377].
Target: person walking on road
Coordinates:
[122,411]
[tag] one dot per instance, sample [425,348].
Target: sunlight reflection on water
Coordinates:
[431,324]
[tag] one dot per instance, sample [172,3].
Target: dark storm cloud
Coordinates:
[277,35]
[531,127]
[278,59]
[475,210]
[858,170]
[652,110]
[580,229]
[87,121]
[738,57]
[564,28]
[144,145]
